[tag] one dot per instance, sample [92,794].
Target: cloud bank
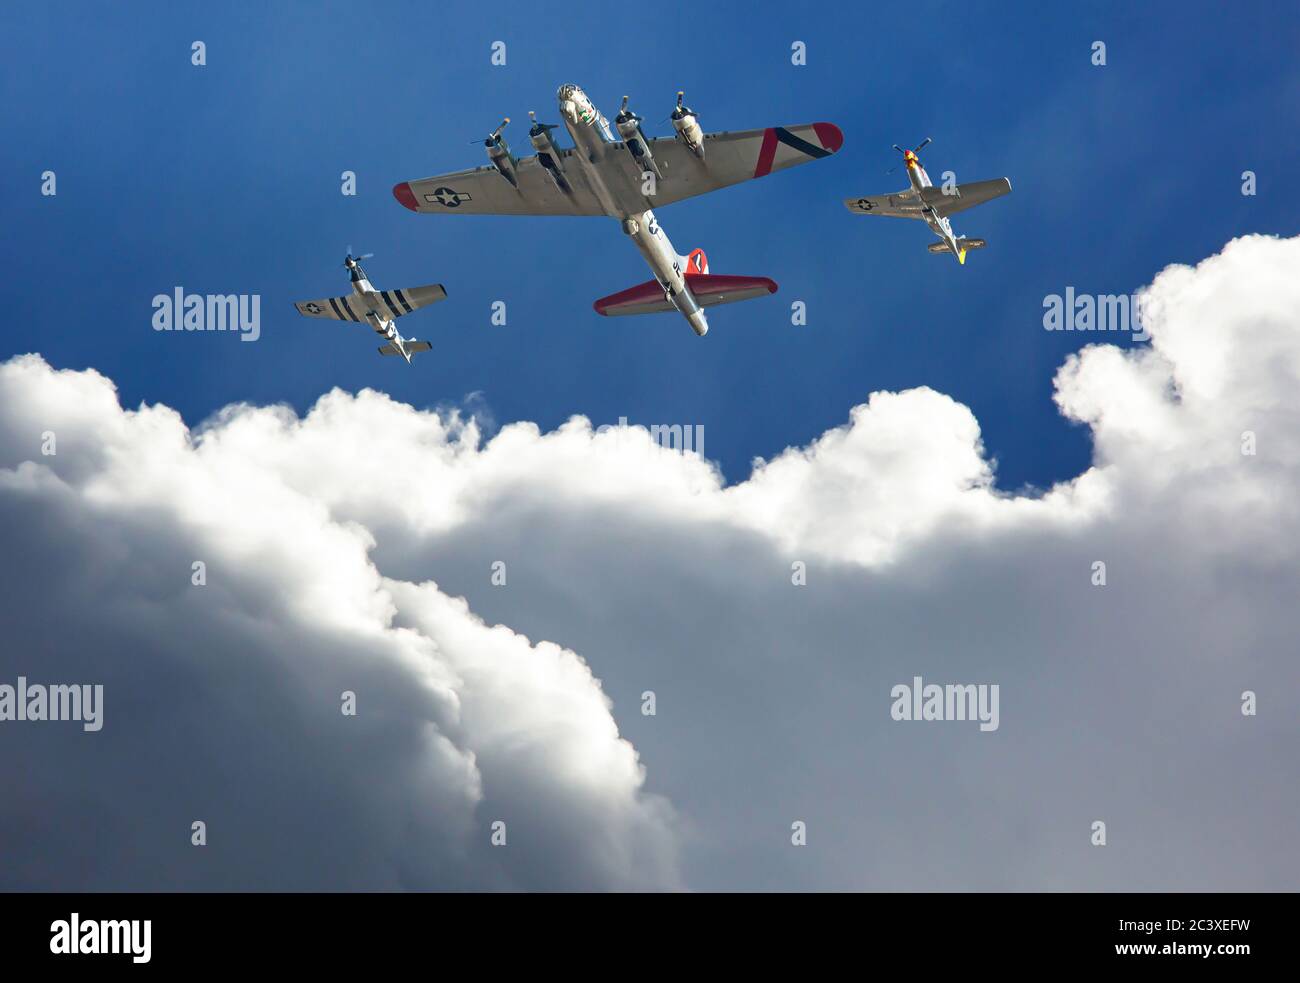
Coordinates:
[354,550]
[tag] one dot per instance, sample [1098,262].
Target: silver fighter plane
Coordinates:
[625,176]
[933,205]
[378,308]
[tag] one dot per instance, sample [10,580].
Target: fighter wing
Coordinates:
[335,308]
[965,196]
[388,304]
[732,157]
[905,204]
[404,300]
[483,191]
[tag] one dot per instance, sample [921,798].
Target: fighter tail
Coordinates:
[964,246]
[412,348]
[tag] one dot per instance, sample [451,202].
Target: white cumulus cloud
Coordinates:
[352,550]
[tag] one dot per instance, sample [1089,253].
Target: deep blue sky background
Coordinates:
[225,179]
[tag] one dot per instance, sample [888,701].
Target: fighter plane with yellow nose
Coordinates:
[933,205]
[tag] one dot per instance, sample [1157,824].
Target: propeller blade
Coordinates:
[625,113]
[682,111]
[539,127]
[920,145]
[495,135]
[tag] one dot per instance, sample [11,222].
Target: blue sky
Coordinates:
[225,179]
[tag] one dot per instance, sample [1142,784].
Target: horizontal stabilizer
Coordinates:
[412,347]
[966,244]
[710,289]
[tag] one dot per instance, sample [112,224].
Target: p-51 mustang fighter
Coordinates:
[378,308]
[623,179]
[924,201]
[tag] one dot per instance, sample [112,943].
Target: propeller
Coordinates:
[682,111]
[625,114]
[539,127]
[495,136]
[351,260]
[915,150]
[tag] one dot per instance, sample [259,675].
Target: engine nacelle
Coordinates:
[501,158]
[688,127]
[498,152]
[548,154]
[629,128]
